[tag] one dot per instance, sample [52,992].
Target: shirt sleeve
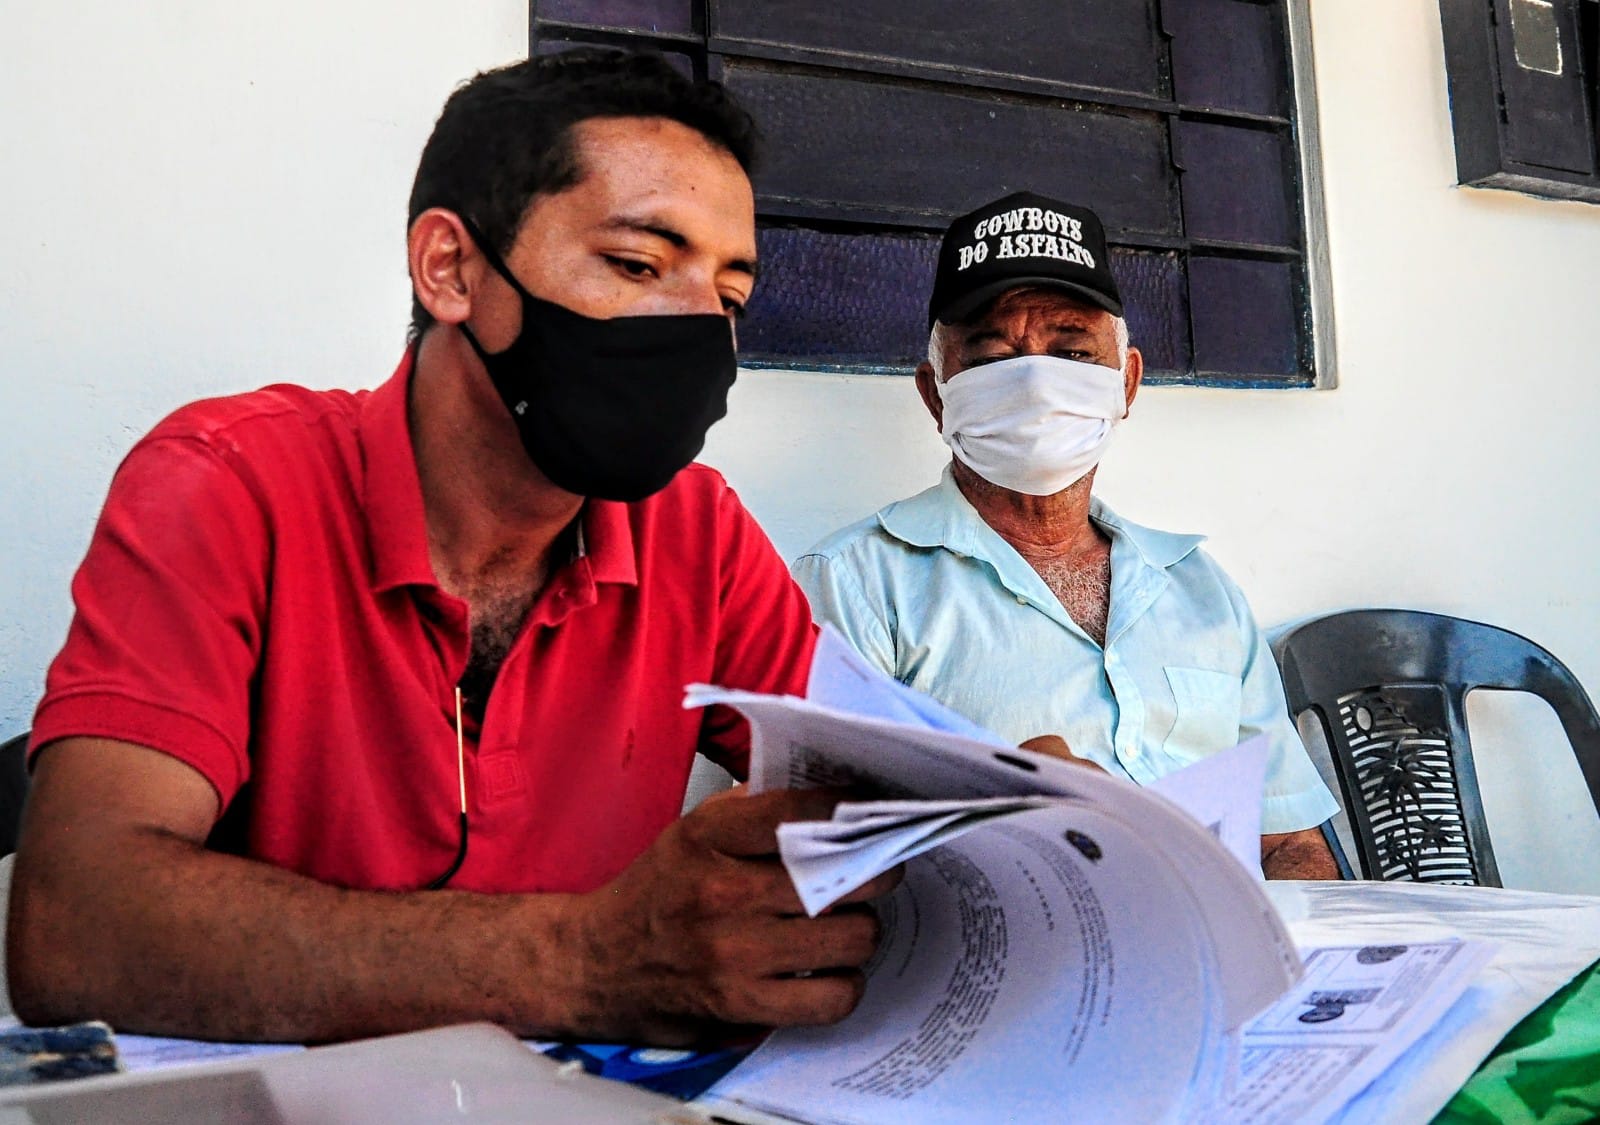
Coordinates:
[765,637]
[1295,796]
[838,599]
[168,605]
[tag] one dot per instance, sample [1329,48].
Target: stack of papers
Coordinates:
[1064,941]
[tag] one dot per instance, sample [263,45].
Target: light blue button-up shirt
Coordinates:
[931,594]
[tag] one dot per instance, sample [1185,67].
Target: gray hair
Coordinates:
[1119,325]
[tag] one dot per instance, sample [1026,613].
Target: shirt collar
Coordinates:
[942,517]
[397,528]
[605,539]
[1157,548]
[391,491]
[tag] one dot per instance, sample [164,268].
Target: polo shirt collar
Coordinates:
[391,491]
[606,541]
[397,526]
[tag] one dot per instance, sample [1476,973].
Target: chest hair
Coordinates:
[1083,587]
[497,611]
[499,595]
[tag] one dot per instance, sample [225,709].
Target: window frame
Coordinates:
[706,53]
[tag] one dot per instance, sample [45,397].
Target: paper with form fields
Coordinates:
[1356,1011]
[1064,941]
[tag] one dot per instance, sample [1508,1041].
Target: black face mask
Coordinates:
[609,408]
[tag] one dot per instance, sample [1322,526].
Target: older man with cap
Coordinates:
[1012,593]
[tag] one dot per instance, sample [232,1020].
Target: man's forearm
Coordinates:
[1298,855]
[167,938]
[119,913]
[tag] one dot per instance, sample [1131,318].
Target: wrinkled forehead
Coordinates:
[1036,314]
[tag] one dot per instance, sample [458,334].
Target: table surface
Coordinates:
[1547,1069]
[1542,942]
[1540,1063]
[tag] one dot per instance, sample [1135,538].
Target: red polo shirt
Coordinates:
[258,602]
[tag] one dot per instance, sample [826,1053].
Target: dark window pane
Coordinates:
[1247,318]
[910,154]
[1106,44]
[840,298]
[1229,54]
[1156,305]
[1237,184]
[629,15]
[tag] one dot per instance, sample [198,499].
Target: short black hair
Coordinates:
[505,136]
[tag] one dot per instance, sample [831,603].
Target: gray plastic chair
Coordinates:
[1389,687]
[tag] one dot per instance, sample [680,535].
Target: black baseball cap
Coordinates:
[1023,239]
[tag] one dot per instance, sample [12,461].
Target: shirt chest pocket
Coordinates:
[1206,712]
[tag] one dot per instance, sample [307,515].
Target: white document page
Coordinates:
[797,743]
[1015,973]
[1541,942]
[827,859]
[1356,1011]
[1223,792]
[155,1052]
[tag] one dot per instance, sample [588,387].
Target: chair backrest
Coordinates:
[1389,688]
[13,789]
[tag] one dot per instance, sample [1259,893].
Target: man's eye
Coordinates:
[631,266]
[733,308]
[979,361]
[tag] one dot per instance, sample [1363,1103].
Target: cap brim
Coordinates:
[969,303]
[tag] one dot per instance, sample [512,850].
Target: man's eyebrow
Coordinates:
[676,238]
[982,336]
[648,226]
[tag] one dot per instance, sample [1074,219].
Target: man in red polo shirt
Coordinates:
[334,650]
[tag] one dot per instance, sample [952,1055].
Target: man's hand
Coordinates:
[1056,746]
[705,930]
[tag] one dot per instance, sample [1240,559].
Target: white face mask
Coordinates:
[1033,423]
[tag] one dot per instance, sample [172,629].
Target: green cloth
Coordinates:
[1546,1070]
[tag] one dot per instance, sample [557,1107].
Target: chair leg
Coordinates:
[1328,834]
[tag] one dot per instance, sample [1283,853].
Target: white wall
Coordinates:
[197,198]
[200,198]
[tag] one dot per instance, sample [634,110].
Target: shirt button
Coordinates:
[1021,600]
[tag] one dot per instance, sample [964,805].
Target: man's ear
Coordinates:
[1132,376]
[438,251]
[930,393]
